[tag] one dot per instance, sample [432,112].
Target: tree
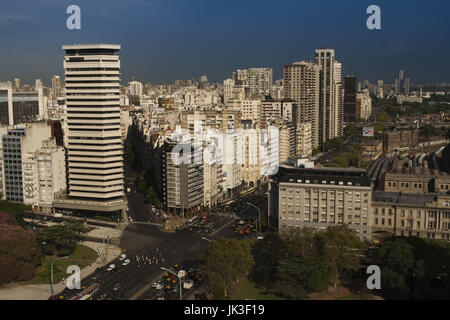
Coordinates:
[267,253]
[399,268]
[340,246]
[19,253]
[227,261]
[302,242]
[310,274]
[61,239]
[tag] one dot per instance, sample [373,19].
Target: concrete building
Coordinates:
[400,139]
[416,180]
[302,84]
[251,166]
[321,197]
[228,85]
[95,148]
[420,215]
[351,112]
[21,106]
[372,149]
[183,172]
[135,88]
[18,175]
[56,87]
[304,140]
[259,80]
[44,175]
[251,110]
[329,110]
[364,105]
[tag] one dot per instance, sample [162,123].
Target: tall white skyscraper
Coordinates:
[95,150]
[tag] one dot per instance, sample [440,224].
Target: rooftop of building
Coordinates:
[322,175]
[91,46]
[402,198]
[417,171]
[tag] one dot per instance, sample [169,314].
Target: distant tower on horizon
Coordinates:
[402,84]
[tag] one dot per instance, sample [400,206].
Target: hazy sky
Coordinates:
[164,40]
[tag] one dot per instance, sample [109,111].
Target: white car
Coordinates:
[126,262]
[158,286]
[188,284]
[111,267]
[122,257]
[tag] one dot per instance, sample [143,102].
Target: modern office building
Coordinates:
[302,84]
[95,149]
[321,197]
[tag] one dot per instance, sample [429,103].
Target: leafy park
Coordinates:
[26,255]
[306,264]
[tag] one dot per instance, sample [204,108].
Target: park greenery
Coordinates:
[414,268]
[61,239]
[82,256]
[348,159]
[134,157]
[335,143]
[19,253]
[226,262]
[147,189]
[17,210]
[294,266]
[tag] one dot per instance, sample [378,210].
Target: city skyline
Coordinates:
[214,39]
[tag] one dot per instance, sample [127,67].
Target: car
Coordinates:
[122,257]
[126,262]
[111,267]
[117,287]
[188,284]
[158,286]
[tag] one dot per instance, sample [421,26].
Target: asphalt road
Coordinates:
[330,156]
[164,249]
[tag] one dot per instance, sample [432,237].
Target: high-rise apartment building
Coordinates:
[56,87]
[329,109]
[302,84]
[228,85]
[183,175]
[351,112]
[402,84]
[135,88]
[94,145]
[259,80]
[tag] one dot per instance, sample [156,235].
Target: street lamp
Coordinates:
[259,214]
[209,240]
[179,280]
[51,272]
